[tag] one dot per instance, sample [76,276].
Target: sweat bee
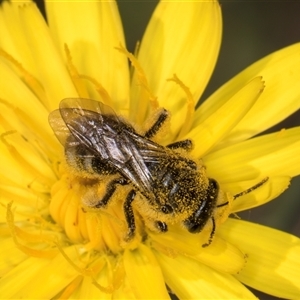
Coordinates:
[165,184]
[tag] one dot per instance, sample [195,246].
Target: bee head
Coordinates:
[204,211]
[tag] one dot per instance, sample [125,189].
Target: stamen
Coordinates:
[100,89]
[88,271]
[34,85]
[137,48]
[15,232]
[101,229]
[142,79]
[135,53]
[79,85]
[186,125]
[107,290]
[118,274]
[84,272]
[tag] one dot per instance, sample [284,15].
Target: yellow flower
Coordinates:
[52,246]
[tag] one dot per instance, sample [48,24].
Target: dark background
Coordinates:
[251,30]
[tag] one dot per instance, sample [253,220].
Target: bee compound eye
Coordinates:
[167,209]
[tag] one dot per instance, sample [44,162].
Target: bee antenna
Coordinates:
[254,187]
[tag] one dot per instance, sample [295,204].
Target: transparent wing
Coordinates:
[98,128]
[87,105]
[58,126]
[75,110]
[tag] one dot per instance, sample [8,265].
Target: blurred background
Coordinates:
[251,30]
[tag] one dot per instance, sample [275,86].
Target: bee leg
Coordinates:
[212,233]
[152,131]
[129,216]
[187,145]
[110,189]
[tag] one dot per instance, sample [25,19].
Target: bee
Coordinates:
[165,184]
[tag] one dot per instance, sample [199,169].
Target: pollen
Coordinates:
[101,229]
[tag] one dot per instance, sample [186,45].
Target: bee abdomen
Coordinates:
[80,158]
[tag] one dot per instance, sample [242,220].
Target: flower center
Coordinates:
[102,229]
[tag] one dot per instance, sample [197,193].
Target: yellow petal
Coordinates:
[187,48]
[280,71]
[92,30]
[267,155]
[30,158]
[144,274]
[220,121]
[189,279]
[19,176]
[51,70]
[71,290]
[10,255]
[20,276]
[6,41]
[100,287]
[124,292]
[13,40]
[25,199]
[13,92]
[220,255]
[58,273]
[89,291]
[273,262]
